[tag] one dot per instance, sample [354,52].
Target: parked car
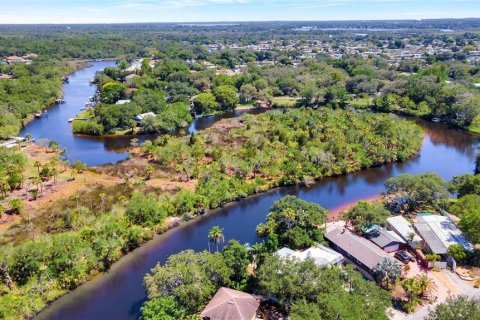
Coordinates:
[402,256]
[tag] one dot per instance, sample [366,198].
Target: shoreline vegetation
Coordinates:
[116,225]
[32,89]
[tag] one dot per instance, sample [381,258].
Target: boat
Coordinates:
[38,115]
[71,120]
[436,120]
[60,100]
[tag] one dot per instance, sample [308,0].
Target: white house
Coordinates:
[322,256]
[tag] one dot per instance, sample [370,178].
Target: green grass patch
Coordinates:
[473,128]
[362,103]
[285,101]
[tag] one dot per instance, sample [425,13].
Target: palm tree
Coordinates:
[216,235]
[411,236]
[76,197]
[38,182]
[102,196]
[288,216]
[387,271]
[425,285]
[37,165]
[149,170]
[28,137]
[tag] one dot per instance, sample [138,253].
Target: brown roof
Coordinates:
[360,248]
[229,304]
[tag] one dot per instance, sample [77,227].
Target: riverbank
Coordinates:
[122,286]
[78,65]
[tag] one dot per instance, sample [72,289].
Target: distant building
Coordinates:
[358,250]
[123,101]
[404,229]
[322,256]
[15,59]
[142,116]
[5,76]
[439,233]
[229,304]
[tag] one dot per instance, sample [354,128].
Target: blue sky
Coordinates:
[110,11]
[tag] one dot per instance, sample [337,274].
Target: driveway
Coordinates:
[448,284]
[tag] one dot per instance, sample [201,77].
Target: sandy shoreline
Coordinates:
[335,213]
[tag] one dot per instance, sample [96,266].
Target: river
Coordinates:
[119,293]
[91,150]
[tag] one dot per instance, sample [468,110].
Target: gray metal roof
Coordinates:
[403,228]
[385,239]
[430,238]
[360,248]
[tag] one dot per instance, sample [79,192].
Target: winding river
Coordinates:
[119,293]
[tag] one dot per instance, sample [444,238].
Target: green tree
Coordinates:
[162,309]
[237,258]
[427,188]
[190,278]
[145,210]
[465,185]
[387,271]
[216,236]
[149,169]
[16,205]
[296,222]
[456,308]
[365,214]
[205,103]
[111,92]
[226,96]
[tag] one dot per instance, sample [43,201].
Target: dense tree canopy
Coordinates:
[364,214]
[296,223]
[428,188]
[330,292]
[456,308]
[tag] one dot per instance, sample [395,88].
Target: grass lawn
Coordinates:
[85,114]
[361,103]
[284,101]
[474,129]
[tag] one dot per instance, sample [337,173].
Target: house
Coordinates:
[5,76]
[142,116]
[404,229]
[123,101]
[358,250]
[15,59]
[388,241]
[439,233]
[229,304]
[322,256]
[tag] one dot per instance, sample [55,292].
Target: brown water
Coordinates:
[119,294]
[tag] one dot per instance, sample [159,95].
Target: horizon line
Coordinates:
[234,21]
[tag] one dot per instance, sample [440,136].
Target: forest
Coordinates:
[33,88]
[184,73]
[224,166]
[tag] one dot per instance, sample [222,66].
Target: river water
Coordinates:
[119,293]
[89,149]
